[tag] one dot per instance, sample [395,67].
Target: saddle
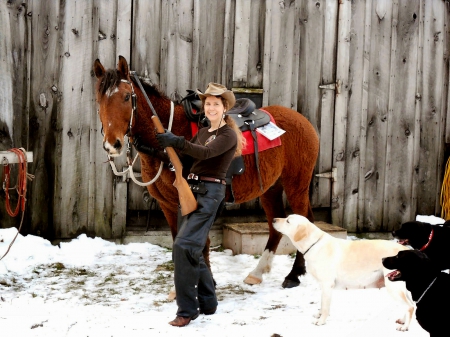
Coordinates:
[192,106]
[246,116]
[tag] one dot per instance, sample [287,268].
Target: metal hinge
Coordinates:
[332,86]
[329,175]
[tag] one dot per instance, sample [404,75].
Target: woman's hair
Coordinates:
[241,141]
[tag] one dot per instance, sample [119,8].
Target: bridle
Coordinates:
[130,162]
[133,107]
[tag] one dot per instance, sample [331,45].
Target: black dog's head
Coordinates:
[407,264]
[413,233]
[413,267]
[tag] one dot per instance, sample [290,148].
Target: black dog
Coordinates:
[429,288]
[433,240]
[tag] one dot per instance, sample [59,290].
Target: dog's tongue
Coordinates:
[403,242]
[393,275]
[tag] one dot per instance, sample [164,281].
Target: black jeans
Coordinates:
[194,284]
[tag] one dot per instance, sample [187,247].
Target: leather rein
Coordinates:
[130,162]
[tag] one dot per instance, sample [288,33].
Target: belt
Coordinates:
[192,176]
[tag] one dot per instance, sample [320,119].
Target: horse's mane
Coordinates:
[112,79]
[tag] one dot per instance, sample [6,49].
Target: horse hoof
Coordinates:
[250,279]
[290,283]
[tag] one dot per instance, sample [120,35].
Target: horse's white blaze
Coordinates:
[111,91]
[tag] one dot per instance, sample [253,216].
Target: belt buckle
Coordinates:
[192,176]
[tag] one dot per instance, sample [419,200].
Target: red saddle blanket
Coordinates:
[263,142]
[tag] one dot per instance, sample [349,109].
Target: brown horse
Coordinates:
[288,167]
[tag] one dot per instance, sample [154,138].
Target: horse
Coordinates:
[288,167]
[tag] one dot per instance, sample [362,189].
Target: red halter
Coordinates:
[429,240]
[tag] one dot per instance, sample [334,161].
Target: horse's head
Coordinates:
[114,96]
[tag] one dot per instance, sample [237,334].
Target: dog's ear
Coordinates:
[300,234]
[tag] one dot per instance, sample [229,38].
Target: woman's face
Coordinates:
[214,108]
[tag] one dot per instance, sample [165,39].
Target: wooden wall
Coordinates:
[391,115]
[382,128]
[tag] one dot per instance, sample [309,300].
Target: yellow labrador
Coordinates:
[341,264]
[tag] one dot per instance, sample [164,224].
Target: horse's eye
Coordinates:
[127,97]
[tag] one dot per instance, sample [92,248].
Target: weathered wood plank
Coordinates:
[283,72]
[44,97]
[363,123]
[211,27]
[256,40]
[7,157]
[431,135]
[360,31]
[378,100]
[176,47]
[318,31]
[441,160]
[241,42]
[267,50]
[12,100]
[75,78]
[146,40]
[228,43]
[398,203]
[123,30]
[119,218]
[340,114]
[447,51]
[108,40]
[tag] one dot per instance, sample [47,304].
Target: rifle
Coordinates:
[188,202]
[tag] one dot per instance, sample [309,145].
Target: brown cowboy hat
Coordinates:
[216,89]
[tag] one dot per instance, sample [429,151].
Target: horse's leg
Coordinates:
[298,197]
[272,202]
[171,214]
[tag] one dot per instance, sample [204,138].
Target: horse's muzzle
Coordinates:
[113,149]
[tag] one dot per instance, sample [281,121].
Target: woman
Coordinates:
[212,150]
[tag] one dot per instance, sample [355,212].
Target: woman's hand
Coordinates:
[168,139]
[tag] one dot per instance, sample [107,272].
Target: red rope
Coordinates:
[21,186]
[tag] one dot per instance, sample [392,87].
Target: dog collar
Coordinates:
[312,245]
[429,240]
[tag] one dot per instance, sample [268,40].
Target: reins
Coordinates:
[130,162]
[21,188]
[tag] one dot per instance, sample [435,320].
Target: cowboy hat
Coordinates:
[216,89]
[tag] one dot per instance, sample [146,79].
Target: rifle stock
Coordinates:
[187,199]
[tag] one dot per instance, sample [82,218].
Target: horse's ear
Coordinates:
[99,70]
[122,67]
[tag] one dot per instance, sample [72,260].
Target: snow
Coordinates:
[92,287]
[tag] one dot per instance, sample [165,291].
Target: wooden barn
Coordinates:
[372,76]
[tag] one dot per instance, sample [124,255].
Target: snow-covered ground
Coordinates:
[92,287]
